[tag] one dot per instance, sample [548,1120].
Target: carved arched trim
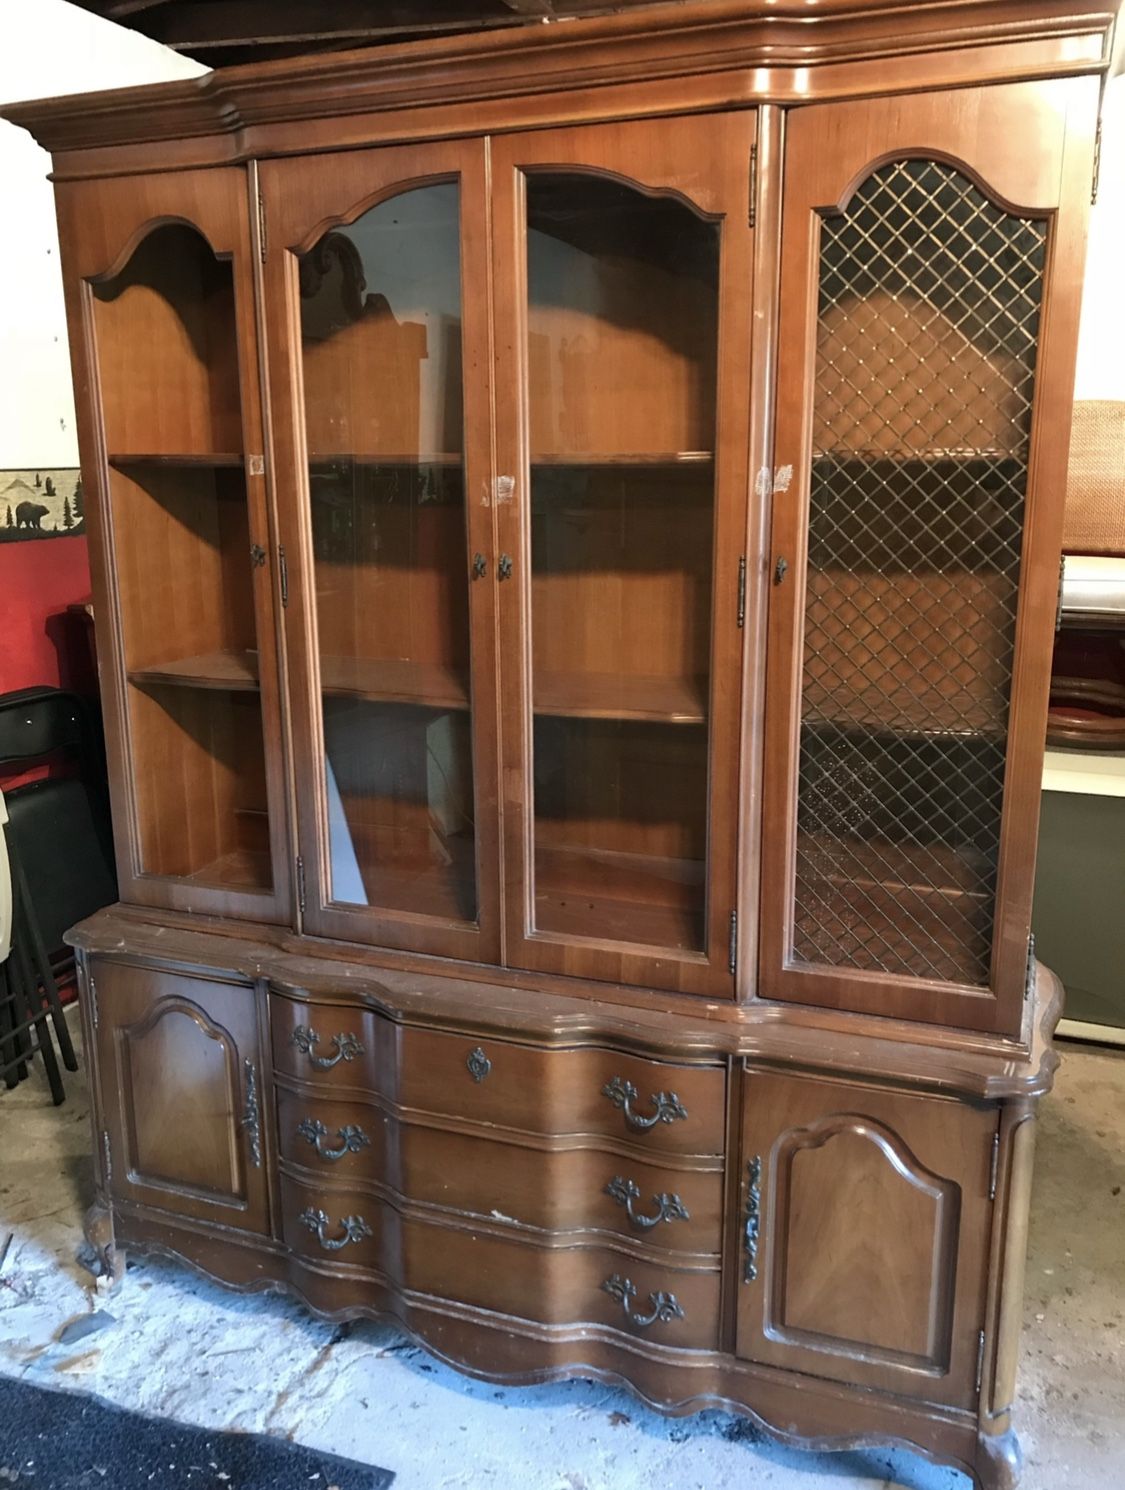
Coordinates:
[368,203]
[902,154]
[642,188]
[145,230]
[946,1197]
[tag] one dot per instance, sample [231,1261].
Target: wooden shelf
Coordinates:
[206,462]
[620,696]
[635,898]
[643,458]
[963,456]
[371,458]
[395,681]
[241,869]
[234,672]
[402,872]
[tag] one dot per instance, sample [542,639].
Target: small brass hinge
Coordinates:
[995,1170]
[300,884]
[732,945]
[107,1155]
[93,987]
[283,574]
[742,591]
[1097,163]
[1029,981]
[753,184]
[261,227]
[980,1359]
[1059,598]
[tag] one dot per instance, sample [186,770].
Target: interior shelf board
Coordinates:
[374,458]
[639,899]
[240,869]
[233,672]
[626,458]
[962,454]
[395,681]
[223,460]
[663,700]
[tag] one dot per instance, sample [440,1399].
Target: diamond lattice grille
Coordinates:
[927,327]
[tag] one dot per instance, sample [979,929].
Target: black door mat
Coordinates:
[52,1440]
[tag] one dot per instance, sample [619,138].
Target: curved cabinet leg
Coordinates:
[99,1234]
[999,1461]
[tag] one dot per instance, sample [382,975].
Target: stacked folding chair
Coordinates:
[55,867]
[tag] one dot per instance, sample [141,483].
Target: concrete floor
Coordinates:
[183,1348]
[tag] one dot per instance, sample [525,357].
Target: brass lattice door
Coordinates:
[914,303]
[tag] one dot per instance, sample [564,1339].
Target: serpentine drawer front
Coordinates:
[673,1204]
[345,1228]
[651,1104]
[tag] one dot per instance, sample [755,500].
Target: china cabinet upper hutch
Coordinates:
[575,517]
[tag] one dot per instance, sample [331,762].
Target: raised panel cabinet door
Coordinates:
[376,296]
[865,1229]
[160,299]
[180,1072]
[931,261]
[623,269]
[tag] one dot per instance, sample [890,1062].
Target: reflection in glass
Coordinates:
[622,354]
[380,308]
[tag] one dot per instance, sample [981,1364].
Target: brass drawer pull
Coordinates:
[665,1306]
[347,1047]
[752,1222]
[355,1229]
[668,1207]
[667,1107]
[352,1138]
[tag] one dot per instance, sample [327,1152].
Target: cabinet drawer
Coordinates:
[677,1109]
[330,1224]
[333,1045]
[564,1286]
[663,1205]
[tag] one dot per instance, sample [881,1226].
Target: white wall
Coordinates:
[49,48]
[1101,340]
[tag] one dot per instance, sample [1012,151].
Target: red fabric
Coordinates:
[40,642]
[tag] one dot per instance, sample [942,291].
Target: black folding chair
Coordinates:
[59,849]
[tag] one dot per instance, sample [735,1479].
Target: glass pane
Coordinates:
[381,345]
[928,321]
[622,349]
[168,377]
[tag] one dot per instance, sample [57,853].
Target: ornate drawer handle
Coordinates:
[665,1306]
[352,1138]
[753,1218]
[478,1063]
[668,1207]
[355,1229]
[347,1047]
[667,1107]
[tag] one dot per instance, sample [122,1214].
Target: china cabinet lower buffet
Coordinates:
[575,515]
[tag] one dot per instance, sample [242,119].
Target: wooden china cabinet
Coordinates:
[576,545]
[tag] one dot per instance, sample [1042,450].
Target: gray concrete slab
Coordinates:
[182,1347]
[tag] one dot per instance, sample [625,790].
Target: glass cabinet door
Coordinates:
[893,880]
[172,445]
[390,423]
[619,532]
